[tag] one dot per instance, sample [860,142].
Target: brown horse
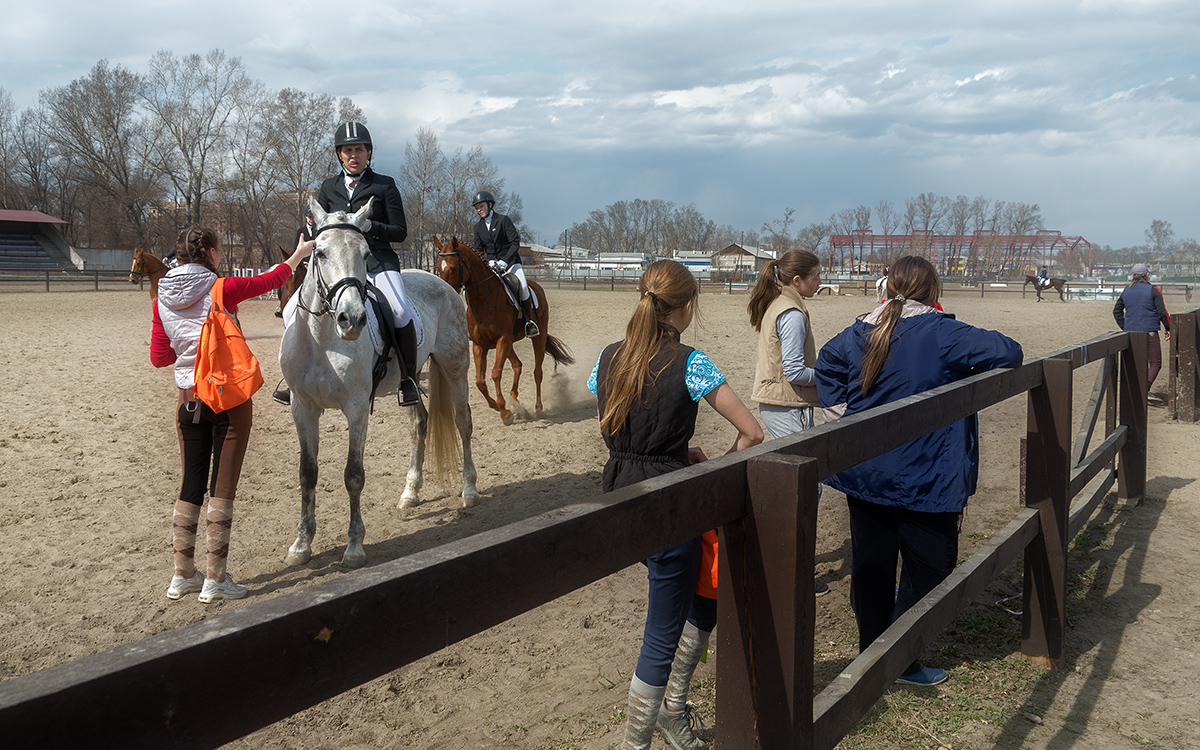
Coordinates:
[146,265]
[493,322]
[293,283]
[1059,285]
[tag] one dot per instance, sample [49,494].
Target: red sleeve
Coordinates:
[161,353]
[239,288]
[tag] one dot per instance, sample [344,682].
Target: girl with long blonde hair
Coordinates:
[648,387]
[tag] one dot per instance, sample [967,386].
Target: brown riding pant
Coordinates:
[208,440]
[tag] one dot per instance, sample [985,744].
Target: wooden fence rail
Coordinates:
[289,653]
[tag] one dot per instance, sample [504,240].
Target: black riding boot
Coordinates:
[406,339]
[531,327]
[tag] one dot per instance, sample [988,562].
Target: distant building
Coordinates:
[699,263]
[742,258]
[624,261]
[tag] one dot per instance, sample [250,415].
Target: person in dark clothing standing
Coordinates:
[1141,308]
[497,238]
[349,191]
[648,387]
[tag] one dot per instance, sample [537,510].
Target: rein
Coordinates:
[458,254]
[328,294]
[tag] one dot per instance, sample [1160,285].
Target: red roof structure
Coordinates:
[983,253]
[31,217]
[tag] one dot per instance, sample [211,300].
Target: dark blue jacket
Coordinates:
[1141,308]
[936,472]
[388,224]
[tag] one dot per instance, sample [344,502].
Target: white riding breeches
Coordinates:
[519,272]
[389,283]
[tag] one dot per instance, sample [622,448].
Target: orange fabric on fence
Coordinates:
[707,585]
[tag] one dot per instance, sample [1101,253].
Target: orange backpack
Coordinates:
[227,373]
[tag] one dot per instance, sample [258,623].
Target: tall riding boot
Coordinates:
[531,326]
[675,718]
[641,714]
[406,339]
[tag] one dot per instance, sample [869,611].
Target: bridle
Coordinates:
[327,293]
[461,278]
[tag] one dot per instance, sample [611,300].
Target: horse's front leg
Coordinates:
[355,477]
[509,350]
[418,425]
[480,355]
[308,423]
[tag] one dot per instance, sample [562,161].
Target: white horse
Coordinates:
[328,362]
[881,288]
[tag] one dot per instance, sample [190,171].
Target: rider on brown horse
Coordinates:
[496,237]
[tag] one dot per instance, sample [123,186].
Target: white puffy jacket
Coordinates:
[183,303]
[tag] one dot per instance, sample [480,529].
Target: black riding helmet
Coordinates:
[351,132]
[483,196]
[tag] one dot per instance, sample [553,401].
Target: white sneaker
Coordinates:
[180,585]
[215,592]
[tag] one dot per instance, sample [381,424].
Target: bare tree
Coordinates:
[95,121]
[779,232]
[299,142]
[1022,218]
[10,191]
[926,212]
[421,178]
[814,237]
[254,208]
[888,221]
[193,99]
[1159,236]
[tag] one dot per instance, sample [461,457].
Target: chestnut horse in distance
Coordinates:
[494,323]
[146,265]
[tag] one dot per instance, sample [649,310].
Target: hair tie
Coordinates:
[900,298]
[652,296]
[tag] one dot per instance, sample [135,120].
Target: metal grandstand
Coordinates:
[982,254]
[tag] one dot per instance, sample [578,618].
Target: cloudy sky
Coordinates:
[1090,109]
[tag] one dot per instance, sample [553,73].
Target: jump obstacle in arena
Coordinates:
[294,651]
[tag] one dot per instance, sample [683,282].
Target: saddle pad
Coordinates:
[377,339]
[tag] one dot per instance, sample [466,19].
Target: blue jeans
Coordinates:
[673,603]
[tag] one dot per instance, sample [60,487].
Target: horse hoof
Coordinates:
[407,502]
[297,558]
[356,560]
[507,418]
[468,500]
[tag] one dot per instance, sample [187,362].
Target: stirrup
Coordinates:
[531,329]
[283,396]
[410,394]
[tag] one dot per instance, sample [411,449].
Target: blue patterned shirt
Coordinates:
[701,377]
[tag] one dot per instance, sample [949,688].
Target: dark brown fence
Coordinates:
[1183,369]
[290,653]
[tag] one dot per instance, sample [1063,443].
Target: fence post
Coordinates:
[1047,464]
[1183,343]
[47,281]
[1131,410]
[96,279]
[766,609]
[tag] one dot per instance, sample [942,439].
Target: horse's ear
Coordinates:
[361,215]
[437,244]
[317,212]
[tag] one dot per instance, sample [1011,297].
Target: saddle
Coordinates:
[387,336]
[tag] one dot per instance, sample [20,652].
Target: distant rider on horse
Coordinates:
[1044,277]
[348,191]
[497,238]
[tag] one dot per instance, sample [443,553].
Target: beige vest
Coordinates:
[771,386]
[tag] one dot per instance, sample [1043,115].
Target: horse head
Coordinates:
[339,262]
[138,269]
[459,265]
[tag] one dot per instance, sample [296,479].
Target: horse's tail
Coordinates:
[443,433]
[557,349]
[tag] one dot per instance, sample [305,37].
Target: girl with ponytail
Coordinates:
[906,502]
[648,386]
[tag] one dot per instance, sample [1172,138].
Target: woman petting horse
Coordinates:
[496,237]
[205,437]
[349,191]
[648,386]
[906,502]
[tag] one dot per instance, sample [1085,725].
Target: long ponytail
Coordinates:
[665,287]
[911,277]
[774,276]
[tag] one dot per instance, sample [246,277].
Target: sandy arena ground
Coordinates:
[89,470]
